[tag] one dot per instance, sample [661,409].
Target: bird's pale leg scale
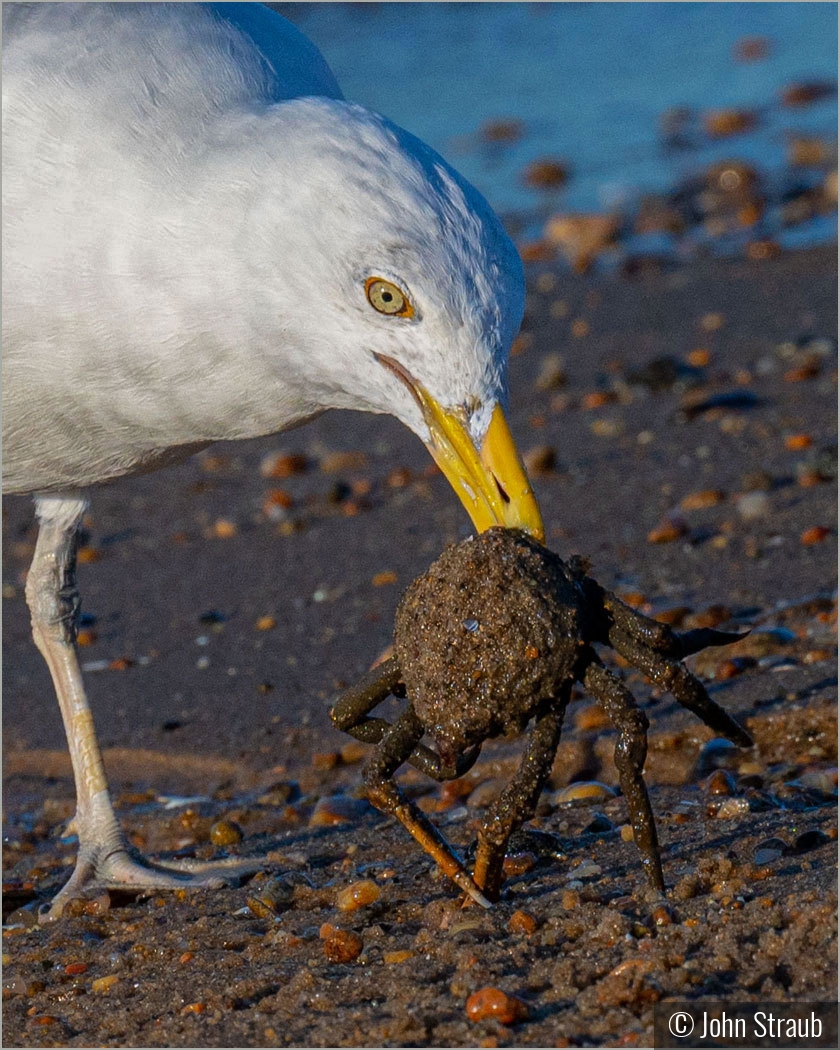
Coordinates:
[53,598]
[384,793]
[518,801]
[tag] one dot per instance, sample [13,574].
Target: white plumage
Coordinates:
[193,217]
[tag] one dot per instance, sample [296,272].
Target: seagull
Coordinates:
[204,241]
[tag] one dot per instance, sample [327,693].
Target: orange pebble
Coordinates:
[343,946]
[699,358]
[798,375]
[518,863]
[278,465]
[797,442]
[382,579]
[522,922]
[667,532]
[597,399]
[816,534]
[493,1002]
[580,328]
[223,529]
[357,895]
[277,498]
[74,969]
[702,498]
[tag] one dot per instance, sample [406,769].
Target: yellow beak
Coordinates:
[491,481]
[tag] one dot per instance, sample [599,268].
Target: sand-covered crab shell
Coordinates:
[485,636]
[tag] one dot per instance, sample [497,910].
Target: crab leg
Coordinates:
[518,801]
[682,684]
[630,754]
[351,714]
[383,791]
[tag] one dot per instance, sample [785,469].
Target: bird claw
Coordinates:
[119,870]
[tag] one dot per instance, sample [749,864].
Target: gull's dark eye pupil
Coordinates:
[387,297]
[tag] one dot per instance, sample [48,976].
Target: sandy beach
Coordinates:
[680,431]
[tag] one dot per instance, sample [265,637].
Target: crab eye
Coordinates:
[387,298]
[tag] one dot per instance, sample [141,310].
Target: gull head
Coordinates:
[397,279]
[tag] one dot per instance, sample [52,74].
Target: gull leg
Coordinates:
[104,858]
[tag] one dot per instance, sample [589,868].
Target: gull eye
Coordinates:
[386,298]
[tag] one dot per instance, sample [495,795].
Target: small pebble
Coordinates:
[583,792]
[518,864]
[731,808]
[712,322]
[804,93]
[342,462]
[552,374]
[540,460]
[545,174]
[496,1004]
[341,946]
[586,869]
[522,922]
[769,850]
[224,529]
[353,752]
[718,753]
[383,579]
[104,984]
[397,957]
[357,895]
[702,499]
[732,668]
[226,833]
[719,783]
[816,534]
[668,530]
[662,916]
[592,718]
[339,809]
[282,465]
[808,840]
[753,505]
[502,130]
[271,898]
[325,760]
[722,123]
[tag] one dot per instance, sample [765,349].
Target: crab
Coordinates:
[491,638]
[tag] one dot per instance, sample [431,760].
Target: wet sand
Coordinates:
[685,441]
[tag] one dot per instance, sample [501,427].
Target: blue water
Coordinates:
[589,80]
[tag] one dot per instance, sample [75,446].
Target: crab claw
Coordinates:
[703,637]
